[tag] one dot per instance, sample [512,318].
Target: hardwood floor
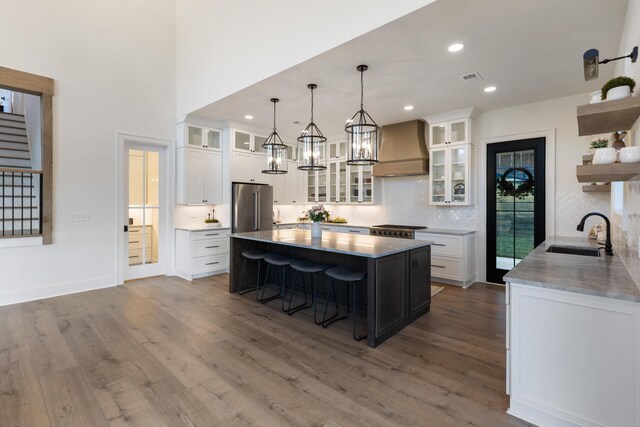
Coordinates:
[163,351]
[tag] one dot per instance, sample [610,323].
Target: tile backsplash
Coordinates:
[626,240]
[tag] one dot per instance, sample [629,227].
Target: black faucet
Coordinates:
[608,248]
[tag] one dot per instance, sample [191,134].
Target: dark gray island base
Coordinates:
[398,284]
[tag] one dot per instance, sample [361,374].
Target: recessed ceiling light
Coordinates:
[456,47]
[248,117]
[490,89]
[408,107]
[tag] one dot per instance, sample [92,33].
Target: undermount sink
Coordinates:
[574,250]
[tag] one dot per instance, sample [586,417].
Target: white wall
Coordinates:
[114,69]
[224,46]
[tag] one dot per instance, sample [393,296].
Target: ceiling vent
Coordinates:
[471,77]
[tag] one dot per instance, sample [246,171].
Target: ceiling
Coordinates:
[529,50]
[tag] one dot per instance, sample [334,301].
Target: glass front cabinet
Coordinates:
[453,132]
[449,175]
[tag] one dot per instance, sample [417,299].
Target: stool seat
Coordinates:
[254,254]
[277,259]
[304,266]
[345,274]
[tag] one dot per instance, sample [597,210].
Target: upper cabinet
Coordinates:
[199,165]
[452,132]
[248,158]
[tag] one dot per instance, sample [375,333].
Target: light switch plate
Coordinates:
[79,217]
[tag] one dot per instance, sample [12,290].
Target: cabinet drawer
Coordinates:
[209,234]
[135,256]
[446,268]
[135,241]
[210,263]
[210,247]
[355,230]
[443,244]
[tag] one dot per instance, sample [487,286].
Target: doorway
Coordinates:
[143,212]
[515,203]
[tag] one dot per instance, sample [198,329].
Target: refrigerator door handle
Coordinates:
[255,211]
[258,212]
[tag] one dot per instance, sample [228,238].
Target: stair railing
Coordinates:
[20,202]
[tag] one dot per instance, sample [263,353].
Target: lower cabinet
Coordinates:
[202,253]
[452,257]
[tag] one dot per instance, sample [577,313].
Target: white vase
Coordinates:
[619,92]
[604,156]
[316,230]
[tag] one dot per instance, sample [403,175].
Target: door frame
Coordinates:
[550,189]
[167,250]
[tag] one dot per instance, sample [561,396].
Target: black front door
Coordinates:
[515,203]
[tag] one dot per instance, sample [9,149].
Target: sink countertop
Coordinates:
[606,276]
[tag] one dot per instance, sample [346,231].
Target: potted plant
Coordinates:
[618,88]
[211,221]
[598,143]
[317,214]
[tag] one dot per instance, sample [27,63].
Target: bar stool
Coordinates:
[351,277]
[252,255]
[276,260]
[306,267]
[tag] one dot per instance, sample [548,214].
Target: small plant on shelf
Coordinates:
[617,82]
[599,143]
[318,213]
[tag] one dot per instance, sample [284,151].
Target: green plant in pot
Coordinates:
[618,88]
[598,143]
[211,221]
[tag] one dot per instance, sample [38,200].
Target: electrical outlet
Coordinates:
[80,217]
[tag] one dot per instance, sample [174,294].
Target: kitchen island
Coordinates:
[398,285]
[573,338]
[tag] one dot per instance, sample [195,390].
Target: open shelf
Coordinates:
[607,173]
[608,116]
[596,188]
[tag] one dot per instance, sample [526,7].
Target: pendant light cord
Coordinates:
[274,116]
[362,90]
[311,105]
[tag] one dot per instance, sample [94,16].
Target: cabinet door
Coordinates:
[195,136]
[213,177]
[341,195]
[458,182]
[258,164]
[312,191]
[212,139]
[241,167]
[333,182]
[438,134]
[438,176]
[280,188]
[323,186]
[366,184]
[292,185]
[458,131]
[257,144]
[242,141]
[354,184]
[195,173]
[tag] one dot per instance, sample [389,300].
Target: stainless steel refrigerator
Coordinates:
[252,207]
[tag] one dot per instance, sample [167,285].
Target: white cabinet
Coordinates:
[202,253]
[248,158]
[199,176]
[295,185]
[198,137]
[360,184]
[317,186]
[452,257]
[338,180]
[450,175]
[452,132]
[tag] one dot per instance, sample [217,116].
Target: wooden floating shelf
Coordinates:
[608,173]
[608,116]
[596,188]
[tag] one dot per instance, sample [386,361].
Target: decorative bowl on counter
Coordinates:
[629,155]
[603,156]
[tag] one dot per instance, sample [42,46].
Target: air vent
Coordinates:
[471,77]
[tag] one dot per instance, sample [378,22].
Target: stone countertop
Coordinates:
[605,276]
[202,228]
[350,244]
[426,230]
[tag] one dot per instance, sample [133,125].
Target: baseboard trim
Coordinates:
[58,289]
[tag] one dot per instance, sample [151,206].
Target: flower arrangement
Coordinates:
[318,213]
[599,143]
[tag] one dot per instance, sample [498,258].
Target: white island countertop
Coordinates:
[350,244]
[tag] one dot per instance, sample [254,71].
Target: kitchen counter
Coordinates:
[350,244]
[605,276]
[202,228]
[426,230]
[397,287]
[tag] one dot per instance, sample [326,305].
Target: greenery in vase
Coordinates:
[318,213]
[211,220]
[599,143]
[616,82]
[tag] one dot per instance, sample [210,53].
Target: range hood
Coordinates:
[403,151]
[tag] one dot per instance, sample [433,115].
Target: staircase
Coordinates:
[14,144]
[20,186]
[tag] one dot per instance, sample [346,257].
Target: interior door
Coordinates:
[145,195]
[515,203]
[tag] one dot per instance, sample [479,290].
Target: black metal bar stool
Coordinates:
[276,260]
[306,267]
[253,255]
[351,278]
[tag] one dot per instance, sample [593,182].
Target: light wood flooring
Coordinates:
[163,351]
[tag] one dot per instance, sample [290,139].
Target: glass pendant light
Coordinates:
[362,133]
[276,149]
[311,144]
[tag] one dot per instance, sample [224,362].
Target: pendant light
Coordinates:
[310,144]
[276,149]
[362,133]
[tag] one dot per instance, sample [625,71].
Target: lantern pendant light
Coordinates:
[311,144]
[362,133]
[276,149]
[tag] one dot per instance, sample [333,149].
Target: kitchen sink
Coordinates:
[574,250]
